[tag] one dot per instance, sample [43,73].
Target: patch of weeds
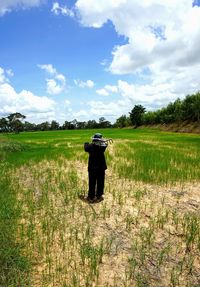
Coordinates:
[14,267]
[10,146]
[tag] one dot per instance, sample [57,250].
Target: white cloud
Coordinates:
[57,10]
[57,84]
[102,92]
[8,5]
[48,68]
[2,76]
[107,90]
[163,38]
[112,89]
[153,96]
[99,108]
[86,84]
[10,73]
[53,88]
[25,101]
[80,114]
[67,103]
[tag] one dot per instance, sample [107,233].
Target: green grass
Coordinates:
[146,155]
[40,184]
[14,266]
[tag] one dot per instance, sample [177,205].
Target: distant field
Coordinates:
[145,233]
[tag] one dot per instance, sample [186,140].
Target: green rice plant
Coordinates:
[191,227]
[14,265]
[141,280]
[108,244]
[133,266]
[93,256]
[162,217]
[64,236]
[129,220]
[105,211]
[174,276]
[175,219]
[140,193]
[163,255]
[147,236]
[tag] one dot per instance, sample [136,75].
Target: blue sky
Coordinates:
[86,59]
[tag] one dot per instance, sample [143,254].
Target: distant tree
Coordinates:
[4,125]
[191,107]
[54,125]
[15,123]
[92,124]
[136,115]
[29,126]
[45,126]
[73,124]
[65,126]
[196,107]
[81,125]
[178,110]
[103,123]
[122,122]
[70,125]
[151,118]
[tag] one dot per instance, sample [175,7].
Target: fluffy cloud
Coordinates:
[102,92]
[57,9]
[25,102]
[86,84]
[10,73]
[163,39]
[57,83]
[67,103]
[2,76]
[8,5]
[107,90]
[81,114]
[112,109]
[153,95]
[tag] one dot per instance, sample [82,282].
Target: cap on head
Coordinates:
[97,137]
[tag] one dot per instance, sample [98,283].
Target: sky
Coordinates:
[86,59]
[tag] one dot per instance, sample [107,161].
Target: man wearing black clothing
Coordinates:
[96,167]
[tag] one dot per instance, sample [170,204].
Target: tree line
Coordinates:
[178,111]
[15,122]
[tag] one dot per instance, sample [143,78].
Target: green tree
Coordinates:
[54,126]
[92,124]
[29,126]
[103,123]
[122,122]
[45,126]
[4,125]
[136,115]
[81,125]
[191,107]
[15,122]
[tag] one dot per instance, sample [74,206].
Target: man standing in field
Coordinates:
[96,167]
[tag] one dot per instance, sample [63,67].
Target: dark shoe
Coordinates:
[90,200]
[99,199]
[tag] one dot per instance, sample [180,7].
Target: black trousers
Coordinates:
[96,183]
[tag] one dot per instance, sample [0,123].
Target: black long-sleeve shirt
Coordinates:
[96,156]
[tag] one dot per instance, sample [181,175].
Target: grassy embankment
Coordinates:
[145,233]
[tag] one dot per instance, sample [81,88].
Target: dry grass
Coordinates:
[138,236]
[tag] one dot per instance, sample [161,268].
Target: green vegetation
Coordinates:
[145,233]
[14,266]
[186,110]
[178,111]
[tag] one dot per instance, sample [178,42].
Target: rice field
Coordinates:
[146,232]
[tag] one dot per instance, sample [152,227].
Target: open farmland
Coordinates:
[145,233]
